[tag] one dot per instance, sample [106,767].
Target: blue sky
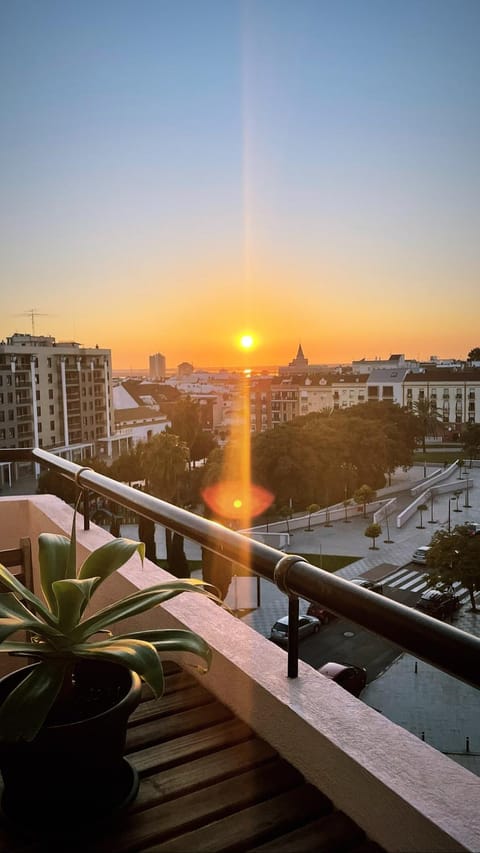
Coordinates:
[176,172]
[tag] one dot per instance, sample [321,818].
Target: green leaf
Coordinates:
[168,640]
[53,553]
[72,596]
[110,557]
[133,654]
[26,708]
[14,585]
[136,603]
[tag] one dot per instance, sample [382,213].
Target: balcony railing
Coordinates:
[444,646]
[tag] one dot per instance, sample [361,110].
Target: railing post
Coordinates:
[280,577]
[293,611]
[86,509]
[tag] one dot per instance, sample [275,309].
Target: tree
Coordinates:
[474,354]
[372,531]
[286,513]
[455,557]
[311,508]
[428,419]
[471,441]
[186,422]
[364,495]
[421,508]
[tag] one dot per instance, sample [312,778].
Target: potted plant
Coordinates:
[63,719]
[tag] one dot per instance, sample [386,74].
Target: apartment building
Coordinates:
[455,392]
[157,366]
[55,395]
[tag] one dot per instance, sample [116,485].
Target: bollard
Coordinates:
[416,667]
[467,744]
[423,735]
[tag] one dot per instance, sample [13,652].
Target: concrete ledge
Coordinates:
[402,792]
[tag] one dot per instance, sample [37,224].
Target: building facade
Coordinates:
[157,367]
[55,395]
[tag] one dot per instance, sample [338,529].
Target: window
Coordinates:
[51,410]
[39,411]
[40,428]
[50,378]
[52,425]
[50,394]
[11,415]
[388,390]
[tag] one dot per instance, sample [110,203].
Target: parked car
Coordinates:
[472,527]
[374,586]
[353,678]
[321,613]
[438,602]
[420,555]
[325,616]
[306,625]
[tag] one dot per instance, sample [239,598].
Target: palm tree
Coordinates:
[428,420]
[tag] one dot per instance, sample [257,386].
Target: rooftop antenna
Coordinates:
[32,313]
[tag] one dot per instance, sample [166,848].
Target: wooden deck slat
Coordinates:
[332,832]
[244,829]
[181,700]
[190,746]
[214,767]
[176,725]
[201,806]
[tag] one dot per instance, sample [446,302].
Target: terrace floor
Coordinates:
[207,783]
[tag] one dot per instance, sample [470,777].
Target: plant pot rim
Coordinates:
[135,686]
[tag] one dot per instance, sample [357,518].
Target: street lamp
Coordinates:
[449,507]
[456,496]
[466,503]
[432,520]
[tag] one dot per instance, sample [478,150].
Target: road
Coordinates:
[346,642]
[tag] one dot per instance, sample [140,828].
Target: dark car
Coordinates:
[306,625]
[321,613]
[374,586]
[472,528]
[438,603]
[349,676]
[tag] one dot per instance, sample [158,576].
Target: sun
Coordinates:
[246,341]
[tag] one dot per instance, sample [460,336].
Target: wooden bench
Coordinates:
[19,562]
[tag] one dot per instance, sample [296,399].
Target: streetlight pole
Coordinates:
[432,520]
[449,507]
[467,504]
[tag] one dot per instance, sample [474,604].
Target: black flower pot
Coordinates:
[75,765]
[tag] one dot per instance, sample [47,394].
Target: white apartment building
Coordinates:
[455,392]
[56,395]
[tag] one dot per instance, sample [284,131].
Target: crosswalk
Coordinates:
[415,581]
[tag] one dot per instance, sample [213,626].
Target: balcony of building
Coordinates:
[249,757]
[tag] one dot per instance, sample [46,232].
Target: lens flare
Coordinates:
[229,498]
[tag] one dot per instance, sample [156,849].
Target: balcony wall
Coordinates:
[402,792]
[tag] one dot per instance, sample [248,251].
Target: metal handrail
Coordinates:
[448,648]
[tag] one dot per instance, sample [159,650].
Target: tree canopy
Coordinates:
[455,557]
[474,354]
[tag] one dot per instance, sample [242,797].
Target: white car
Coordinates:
[420,555]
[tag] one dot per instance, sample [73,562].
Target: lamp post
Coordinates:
[456,496]
[432,519]
[449,507]
[467,484]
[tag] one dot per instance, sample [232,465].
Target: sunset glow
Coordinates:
[169,180]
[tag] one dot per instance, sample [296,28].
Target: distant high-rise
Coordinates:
[157,366]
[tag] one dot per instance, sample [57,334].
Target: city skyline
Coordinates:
[176,175]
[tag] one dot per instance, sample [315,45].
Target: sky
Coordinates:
[177,173]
